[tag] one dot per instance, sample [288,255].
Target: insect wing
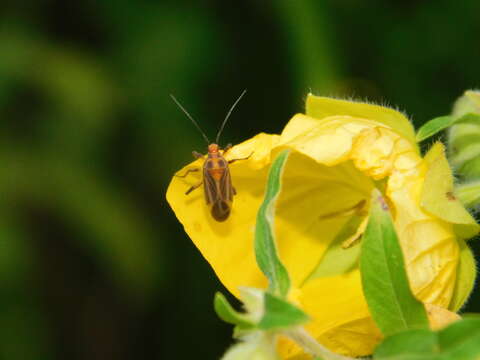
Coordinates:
[222,207]
[219,194]
[210,187]
[226,188]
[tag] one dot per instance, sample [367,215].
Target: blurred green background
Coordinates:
[93,264]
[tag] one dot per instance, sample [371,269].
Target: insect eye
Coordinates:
[209,165]
[221,163]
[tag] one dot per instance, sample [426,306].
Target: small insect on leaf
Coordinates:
[216,179]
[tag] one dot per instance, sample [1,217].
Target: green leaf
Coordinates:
[466,273]
[336,259]
[228,314]
[280,314]
[460,340]
[384,280]
[433,126]
[438,124]
[265,248]
[409,345]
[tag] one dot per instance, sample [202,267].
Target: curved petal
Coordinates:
[321,107]
[431,256]
[328,141]
[438,196]
[440,317]
[228,245]
[428,243]
[341,320]
[466,274]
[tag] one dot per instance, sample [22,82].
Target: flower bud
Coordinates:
[257,346]
[464,137]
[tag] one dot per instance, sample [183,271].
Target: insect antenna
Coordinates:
[228,115]
[191,118]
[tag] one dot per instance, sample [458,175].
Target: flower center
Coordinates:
[316,203]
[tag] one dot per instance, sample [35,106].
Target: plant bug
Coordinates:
[217,182]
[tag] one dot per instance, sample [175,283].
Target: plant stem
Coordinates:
[310,345]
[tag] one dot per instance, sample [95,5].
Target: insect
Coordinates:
[216,179]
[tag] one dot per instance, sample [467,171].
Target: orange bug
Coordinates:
[217,182]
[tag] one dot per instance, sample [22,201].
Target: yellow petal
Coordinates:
[440,317]
[297,126]
[227,246]
[466,274]
[328,141]
[378,151]
[288,349]
[428,243]
[431,257]
[321,107]
[341,320]
[438,194]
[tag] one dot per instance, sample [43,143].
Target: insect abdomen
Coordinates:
[218,186]
[221,210]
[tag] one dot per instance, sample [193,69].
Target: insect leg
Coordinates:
[193,187]
[351,241]
[188,171]
[245,158]
[226,148]
[197,155]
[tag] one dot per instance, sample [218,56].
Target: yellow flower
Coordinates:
[341,151]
